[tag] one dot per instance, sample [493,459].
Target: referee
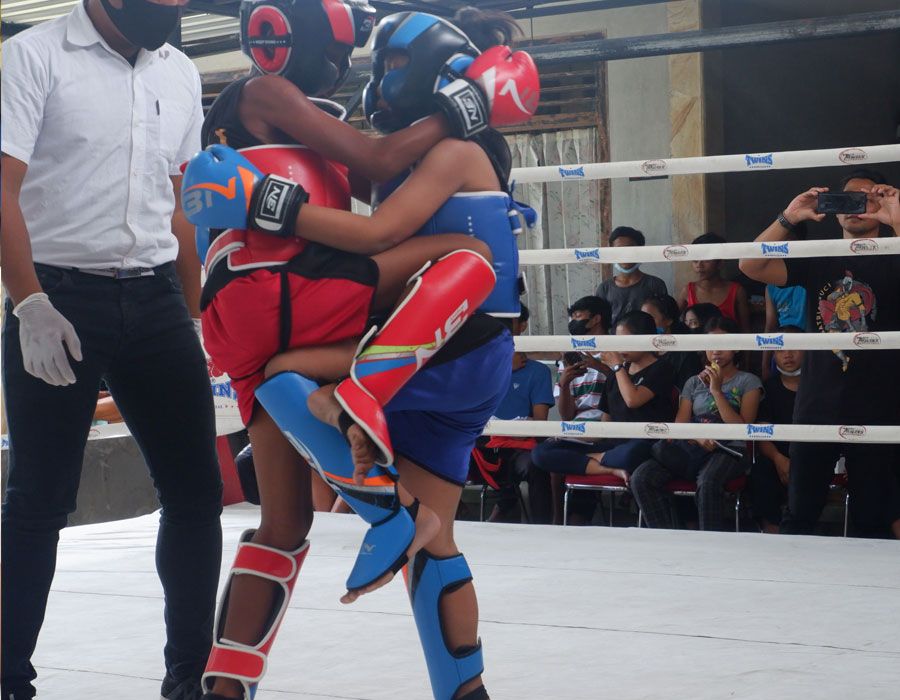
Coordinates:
[102,277]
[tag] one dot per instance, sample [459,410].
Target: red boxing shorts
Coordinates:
[318,297]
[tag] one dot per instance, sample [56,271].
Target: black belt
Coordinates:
[119,273]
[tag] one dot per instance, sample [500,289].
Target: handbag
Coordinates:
[684,459]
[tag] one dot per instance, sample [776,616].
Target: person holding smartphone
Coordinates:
[850,294]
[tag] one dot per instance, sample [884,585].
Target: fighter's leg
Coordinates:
[400,526]
[253,603]
[440,296]
[442,595]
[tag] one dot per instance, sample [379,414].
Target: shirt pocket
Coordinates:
[173,118]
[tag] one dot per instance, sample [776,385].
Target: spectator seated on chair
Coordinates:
[578,390]
[769,474]
[721,393]
[664,310]
[638,388]
[504,462]
[695,317]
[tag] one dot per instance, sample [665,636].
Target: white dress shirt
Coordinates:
[101,140]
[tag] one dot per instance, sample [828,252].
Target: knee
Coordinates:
[642,477]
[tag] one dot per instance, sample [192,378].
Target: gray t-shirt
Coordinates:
[703,405]
[626,299]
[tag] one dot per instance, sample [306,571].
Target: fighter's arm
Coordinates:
[212,199]
[440,175]
[279,104]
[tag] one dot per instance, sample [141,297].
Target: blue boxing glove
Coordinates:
[222,189]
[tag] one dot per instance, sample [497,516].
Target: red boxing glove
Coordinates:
[511,83]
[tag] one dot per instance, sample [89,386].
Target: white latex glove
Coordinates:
[42,332]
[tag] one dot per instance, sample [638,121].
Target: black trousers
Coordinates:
[137,335]
[873,476]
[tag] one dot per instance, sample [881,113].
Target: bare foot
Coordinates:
[325,407]
[623,475]
[427,526]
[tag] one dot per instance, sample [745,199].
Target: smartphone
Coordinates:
[571,358]
[841,203]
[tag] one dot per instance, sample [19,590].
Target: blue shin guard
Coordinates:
[430,579]
[392,525]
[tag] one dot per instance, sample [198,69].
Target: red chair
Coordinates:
[592,482]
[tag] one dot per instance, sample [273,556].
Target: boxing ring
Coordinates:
[575,613]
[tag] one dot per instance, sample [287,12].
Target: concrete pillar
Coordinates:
[687,137]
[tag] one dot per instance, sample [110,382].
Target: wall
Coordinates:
[114,482]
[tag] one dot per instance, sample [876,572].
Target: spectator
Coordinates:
[101,271]
[629,287]
[664,311]
[638,389]
[785,306]
[508,460]
[721,393]
[848,294]
[696,316]
[710,287]
[769,474]
[579,387]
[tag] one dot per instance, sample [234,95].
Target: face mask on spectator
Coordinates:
[795,373]
[579,327]
[619,270]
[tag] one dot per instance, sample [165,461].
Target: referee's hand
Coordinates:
[44,335]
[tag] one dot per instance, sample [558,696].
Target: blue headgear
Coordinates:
[438,53]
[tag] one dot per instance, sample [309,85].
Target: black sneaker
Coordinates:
[180,690]
[23,692]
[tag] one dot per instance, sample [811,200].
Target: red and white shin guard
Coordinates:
[443,296]
[246,663]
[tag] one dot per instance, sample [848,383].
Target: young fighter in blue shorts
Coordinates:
[436,417]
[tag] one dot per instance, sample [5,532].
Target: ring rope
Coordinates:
[885,434]
[658,167]
[887,340]
[713,251]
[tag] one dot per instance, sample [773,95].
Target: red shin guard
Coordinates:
[443,296]
[246,663]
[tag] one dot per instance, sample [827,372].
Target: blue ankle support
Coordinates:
[429,580]
[384,548]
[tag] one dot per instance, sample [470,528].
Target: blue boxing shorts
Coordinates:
[437,416]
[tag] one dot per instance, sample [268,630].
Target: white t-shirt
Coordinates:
[101,140]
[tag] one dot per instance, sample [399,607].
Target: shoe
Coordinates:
[23,692]
[188,689]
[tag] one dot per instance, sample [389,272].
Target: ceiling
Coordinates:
[211,26]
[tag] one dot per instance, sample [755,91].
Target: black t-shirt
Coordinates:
[661,408]
[684,366]
[778,407]
[849,295]
[222,123]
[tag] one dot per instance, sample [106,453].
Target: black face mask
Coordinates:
[578,327]
[144,23]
